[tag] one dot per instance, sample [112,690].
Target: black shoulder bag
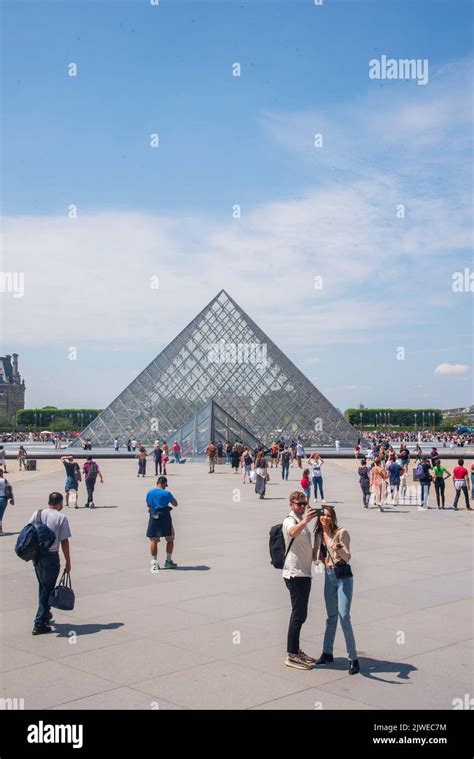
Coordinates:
[342,570]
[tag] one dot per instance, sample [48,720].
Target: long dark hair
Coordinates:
[334,525]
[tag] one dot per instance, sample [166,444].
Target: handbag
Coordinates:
[8,492]
[342,570]
[62,597]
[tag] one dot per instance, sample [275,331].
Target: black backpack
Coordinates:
[34,539]
[276,544]
[93,471]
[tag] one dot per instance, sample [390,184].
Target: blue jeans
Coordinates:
[425,489]
[3,506]
[318,481]
[285,468]
[176,458]
[472,484]
[338,598]
[47,571]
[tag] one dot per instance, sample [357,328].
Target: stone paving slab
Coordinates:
[120,699]
[220,685]
[136,638]
[137,660]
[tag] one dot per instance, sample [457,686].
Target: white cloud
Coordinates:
[452,369]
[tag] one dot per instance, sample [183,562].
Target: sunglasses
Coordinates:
[300,503]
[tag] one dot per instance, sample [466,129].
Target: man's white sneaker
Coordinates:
[154,566]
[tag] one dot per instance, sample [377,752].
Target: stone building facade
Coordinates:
[12,387]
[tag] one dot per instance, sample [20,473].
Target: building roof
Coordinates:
[6,370]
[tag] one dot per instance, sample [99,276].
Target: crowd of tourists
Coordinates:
[311,538]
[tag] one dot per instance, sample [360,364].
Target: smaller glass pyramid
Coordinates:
[211,422]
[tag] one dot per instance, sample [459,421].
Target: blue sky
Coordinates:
[245,140]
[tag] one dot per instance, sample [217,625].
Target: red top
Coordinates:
[459,472]
[304,482]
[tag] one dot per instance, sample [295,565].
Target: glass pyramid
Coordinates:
[211,423]
[222,355]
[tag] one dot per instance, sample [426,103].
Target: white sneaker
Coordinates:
[323,501]
[154,566]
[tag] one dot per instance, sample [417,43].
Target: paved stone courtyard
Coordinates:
[212,634]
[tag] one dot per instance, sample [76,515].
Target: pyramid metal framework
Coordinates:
[222,355]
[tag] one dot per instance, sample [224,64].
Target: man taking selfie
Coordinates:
[297,575]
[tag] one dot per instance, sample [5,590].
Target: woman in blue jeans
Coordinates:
[332,547]
[316,462]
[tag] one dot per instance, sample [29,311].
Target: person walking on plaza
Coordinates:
[129,445]
[22,454]
[316,462]
[285,458]
[332,547]
[337,444]
[73,477]
[441,474]
[273,454]
[142,454]
[6,494]
[116,444]
[424,478]
[418,453]
[299,454]
[166,456]
[3,464]
[211,456]
[133,444]
[47,564]
[261,473]
[159,502]
[228,452]
[364,482]
[176,448]
[378,478]
[306,484]
[246,464]
[297,575]
[472,480]
[395,472]
[461,483]
[91,472]
[235,461]
[220,452]
[157,457]
[293,451]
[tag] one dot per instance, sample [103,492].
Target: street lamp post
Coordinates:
[415,423]
[360,424]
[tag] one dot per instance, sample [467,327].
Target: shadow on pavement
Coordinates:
[199,568]
[369,668]
[63,631]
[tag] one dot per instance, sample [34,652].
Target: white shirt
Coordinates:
[3,483]
[299,449]
[56,522]
[300,556]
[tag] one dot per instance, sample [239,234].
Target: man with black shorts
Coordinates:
[159,501]
[91,472]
